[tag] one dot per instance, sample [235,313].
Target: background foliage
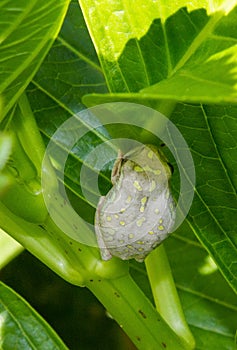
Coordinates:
[179,53]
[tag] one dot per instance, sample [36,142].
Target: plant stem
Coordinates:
[28,133]
[9,248]
[79,265]
[134,313]
[165,295]
[50,247]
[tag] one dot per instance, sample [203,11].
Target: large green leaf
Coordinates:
[27,32]
[169,51]
[21,327]
[211,134]
[55,100]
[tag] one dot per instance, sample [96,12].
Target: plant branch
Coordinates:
[165,295]
[134,313]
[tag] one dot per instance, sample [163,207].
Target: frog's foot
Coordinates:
[140,259]
[105,254]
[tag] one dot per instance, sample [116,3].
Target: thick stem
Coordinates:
[50,247]
[9,248]
[73,261]
[29,135]
[80,265]
[134,313]
[165,295]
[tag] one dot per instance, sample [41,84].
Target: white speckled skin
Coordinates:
[138,212]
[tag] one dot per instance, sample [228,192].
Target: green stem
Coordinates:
[25,195]
[51,248]
[9,248]
[29,134]
[134,313]
[109,281]
[73,261]
[165,295]
[80,264]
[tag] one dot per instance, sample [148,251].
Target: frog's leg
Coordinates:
[105,253]
[139,259]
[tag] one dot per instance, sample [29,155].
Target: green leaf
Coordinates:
[21,327]
[204,70]
[118,24]
[211,135]
[166,51]
[27,32]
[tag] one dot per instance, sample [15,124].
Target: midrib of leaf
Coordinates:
[204,33]
[68,110]
[75,157]
[167,49]
[211,331]
[17,22]
[201,80]
[206,297]
[21,40]
[186,240]
[224,38]
[192,291]
[143,63]
[64,183]
[79,54]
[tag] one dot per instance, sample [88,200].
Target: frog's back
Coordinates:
[138,212]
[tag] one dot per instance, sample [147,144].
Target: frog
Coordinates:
[138,212]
